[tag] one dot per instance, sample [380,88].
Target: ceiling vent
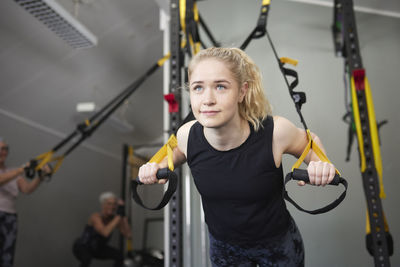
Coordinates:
[60,21]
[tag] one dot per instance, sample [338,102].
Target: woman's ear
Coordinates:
[243,91]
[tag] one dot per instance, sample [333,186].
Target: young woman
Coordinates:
[93,241]
[234,149]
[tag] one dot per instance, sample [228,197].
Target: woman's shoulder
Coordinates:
[281,122]
[183,135]
[183,131]
[188,125]
[94,217]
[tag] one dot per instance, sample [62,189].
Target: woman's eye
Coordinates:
[220,87]
[197,88]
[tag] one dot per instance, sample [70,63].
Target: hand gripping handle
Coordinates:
[164,173]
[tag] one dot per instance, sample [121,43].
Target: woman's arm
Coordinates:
[28,187]
[10,175]
[100,227]
[288,139]
[147,172]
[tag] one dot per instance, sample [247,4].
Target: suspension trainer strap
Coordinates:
[167,173]
[86,128]
[298,174]
[299,98]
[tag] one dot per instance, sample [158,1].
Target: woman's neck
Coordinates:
[229,136]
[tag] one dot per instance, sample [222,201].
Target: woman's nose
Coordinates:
[209,97]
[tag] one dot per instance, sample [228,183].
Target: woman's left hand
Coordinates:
[320,173]
[46,170]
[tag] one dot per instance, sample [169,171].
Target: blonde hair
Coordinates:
[255,107]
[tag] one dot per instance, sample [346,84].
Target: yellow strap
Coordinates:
[266,2]
[182,9]
[129,246]
[304,154]
[58,163]
[357,123]
[290,61]
[44,159]
[161,61]
[374,137]
[195,12]
[170,158]
[317,150]
[48,157]
[197,45]
[166,150]
[373,131]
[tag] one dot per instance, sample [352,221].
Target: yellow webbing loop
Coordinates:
[170,158]
[197,45]
[311,145]
[195,12]
[44,159]
[266,2]
[166,150]
[182,9]
[161,61]
[129,246]
[373,130]
[374,137]
[58,164]
[47,157]
[290,61]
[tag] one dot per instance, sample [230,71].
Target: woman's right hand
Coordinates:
[147,173]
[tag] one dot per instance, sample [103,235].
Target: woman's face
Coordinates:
[3,152]
[109,206]
[214,94]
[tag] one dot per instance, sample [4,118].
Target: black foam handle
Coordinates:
[30,171]
[163,173]
[302,175]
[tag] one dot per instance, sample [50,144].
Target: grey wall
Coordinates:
[40,74]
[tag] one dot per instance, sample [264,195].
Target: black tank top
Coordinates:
[241,189]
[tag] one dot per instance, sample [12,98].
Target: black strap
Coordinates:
[260,30]
[302,175]
[161,174]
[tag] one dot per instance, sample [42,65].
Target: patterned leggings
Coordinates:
[287,251]
[8,237]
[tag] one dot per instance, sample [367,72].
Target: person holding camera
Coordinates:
[93,243]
